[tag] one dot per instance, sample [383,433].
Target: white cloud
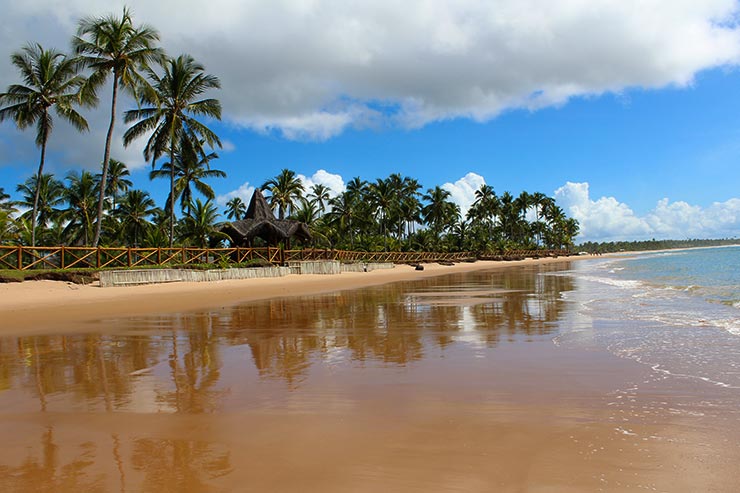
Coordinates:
[334,182]
[607,219]
[463,190]
[312,69]
[244,192]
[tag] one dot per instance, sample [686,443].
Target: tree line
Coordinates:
[86,208]
[646,245]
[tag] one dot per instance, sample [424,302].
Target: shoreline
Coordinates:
[36,307]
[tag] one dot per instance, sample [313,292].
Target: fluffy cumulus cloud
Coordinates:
[312,69]
[244,192]
[335,183]
[462,192]
[606,219]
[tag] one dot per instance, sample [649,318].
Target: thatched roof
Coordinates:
[259,222]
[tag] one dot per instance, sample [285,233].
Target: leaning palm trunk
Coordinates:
[106,163]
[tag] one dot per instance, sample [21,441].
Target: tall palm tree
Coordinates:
[134,209]
[343,210]
[48,195]
[235,209]
[440,213]
[111,45]
[116,181]
[320,194]
[169,112]
[383,199]
[81,195]
[191,169]
[284,190]
[50,79]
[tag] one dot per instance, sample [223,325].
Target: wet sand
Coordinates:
[452,383]
[53,307]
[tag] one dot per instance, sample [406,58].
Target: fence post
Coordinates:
[62,254]
[129,256]
[20,257]
[98,257]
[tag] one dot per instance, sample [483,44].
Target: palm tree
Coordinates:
[135,207]
[5,204]
[343,210]
[540,201]
[47,196]
[116,181]
[169,112]
[285,189]
[51,80]
[190,169]
[320,193]
[198,225]
[383,199]
[440,213]
[235,209]
[81,195]
[112,45]
[8,227]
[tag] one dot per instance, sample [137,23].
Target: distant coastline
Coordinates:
[653,245]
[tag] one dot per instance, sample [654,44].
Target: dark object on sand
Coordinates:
[419,267]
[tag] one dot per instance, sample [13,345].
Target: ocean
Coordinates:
[676,311]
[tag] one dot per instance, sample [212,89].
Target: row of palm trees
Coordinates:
[168,93]
[66,212]
[394,213]
[388,214]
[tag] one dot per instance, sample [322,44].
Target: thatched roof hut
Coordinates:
[259,222]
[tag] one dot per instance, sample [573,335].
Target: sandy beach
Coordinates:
[51,306]
[396,380]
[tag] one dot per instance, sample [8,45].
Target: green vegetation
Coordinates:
[638,246]
[394,213]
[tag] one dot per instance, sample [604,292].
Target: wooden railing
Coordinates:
[64,257]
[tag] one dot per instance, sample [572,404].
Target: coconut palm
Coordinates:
[169,112]
[81,195]
[111,45]
[116,181]
[440,213]
[198,225]
[47,197]
[284,190]
[50,80]
[342,213]
[320,194]
[5,203]
[383,198]
[134,209]
[191,169]
[8,227]
[236,209]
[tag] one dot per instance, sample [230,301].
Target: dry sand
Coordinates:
[48,307]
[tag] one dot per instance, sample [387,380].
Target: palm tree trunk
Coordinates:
[106,161]
[38,191]
[172,195]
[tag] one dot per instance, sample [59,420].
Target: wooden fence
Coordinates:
[64,257]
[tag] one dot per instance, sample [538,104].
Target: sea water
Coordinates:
[676,311]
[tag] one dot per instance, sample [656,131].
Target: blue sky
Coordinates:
[610,110]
